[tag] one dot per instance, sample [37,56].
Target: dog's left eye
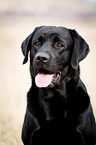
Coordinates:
[60,45]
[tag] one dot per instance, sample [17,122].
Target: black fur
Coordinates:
[60,113]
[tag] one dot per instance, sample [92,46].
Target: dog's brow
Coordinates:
[55,34]
[56,37]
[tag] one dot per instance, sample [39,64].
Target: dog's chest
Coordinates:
[53,109]
[47,109]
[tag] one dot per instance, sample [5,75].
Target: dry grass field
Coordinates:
[15,26]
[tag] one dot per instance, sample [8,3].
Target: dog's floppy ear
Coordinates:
[80,49]
[26,45]
[26,48]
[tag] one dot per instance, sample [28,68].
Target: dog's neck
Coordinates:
[52,102]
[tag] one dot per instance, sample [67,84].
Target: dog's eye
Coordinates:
[36,43]
[60,45]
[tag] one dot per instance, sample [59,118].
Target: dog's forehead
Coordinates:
[49,30]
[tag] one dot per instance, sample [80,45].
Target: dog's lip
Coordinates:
[43,71]
[56,78]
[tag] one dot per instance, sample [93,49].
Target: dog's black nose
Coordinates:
[42,57]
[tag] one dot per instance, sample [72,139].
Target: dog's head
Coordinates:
[52,51]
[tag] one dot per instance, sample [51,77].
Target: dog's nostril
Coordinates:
[45,59]
[38,58]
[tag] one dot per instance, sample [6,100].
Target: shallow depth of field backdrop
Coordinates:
[18,18]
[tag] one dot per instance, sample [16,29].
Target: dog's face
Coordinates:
[53,50]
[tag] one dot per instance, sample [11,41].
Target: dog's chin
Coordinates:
[46,79]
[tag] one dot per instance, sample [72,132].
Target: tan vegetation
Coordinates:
[15,78]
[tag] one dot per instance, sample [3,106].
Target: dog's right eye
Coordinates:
[37,43]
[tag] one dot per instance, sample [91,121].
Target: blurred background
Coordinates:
[18,18]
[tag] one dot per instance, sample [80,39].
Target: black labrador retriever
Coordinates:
[58,105]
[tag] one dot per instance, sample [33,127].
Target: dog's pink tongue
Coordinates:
[43,80]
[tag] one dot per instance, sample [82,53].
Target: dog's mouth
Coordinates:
[45,78]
